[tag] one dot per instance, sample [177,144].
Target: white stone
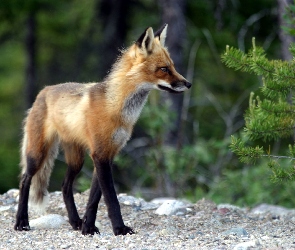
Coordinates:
[136,202]
[64,246]
[245,245]
[171,207]
[4,208]
[272,209]
[161,200]
[13,192]
[230,207]
[48,221]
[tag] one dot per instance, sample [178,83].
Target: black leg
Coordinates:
[88,226]
[67,191]
[105,180]
[22,218]
[74,156]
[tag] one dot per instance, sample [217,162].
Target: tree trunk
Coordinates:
[285,38]
[172,12]
[114,15]
[30,45]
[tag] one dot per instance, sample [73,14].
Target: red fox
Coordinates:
[98,117]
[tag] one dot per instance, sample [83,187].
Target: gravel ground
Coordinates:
[203,225]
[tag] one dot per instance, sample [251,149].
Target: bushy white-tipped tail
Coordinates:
[39,196]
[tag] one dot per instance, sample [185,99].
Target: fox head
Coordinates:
[152,60]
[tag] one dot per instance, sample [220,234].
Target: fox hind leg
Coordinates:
[22,219]
[88,226]
[75,158]
[37,158]
[33,164]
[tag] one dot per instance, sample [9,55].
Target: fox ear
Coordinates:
[161,34]
[145,41]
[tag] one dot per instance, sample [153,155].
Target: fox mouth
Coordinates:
[174,87]
[170,90]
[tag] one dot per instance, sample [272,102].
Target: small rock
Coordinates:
[265,237]
[205,205]
[169,231]
[171,207]
[229,207]
[64,246]
[48,221]
[272,209]
[161,200]
[138,203]
[223,211]
[129,200]
[4,208]
[13,192]
[10,201]
[245,245]
[238,231]
[57,192]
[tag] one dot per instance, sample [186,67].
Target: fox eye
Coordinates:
[164,69]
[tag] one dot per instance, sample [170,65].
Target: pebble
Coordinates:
[4,208]
[245,245]
[272,209]
[169,231]
[171,207]
[48,221]
[138,203]
[13,192]
[230,208]
[161,200]
[238,231]
[65,246]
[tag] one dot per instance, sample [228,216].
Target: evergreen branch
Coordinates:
[246,154]
[263,69]
[277,112]
[256,62]
[236,59]
[285,71]
[279,157]
[269,131]
[287,77]
[274,108]
[281,89]
[280,174]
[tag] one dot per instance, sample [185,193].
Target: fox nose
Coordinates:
[187,84]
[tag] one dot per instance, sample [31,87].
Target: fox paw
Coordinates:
[76,225]
[22,225]
[123,230]
[91,230]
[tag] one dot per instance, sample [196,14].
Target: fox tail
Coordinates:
[38,196]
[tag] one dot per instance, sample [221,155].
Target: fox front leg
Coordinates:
[105,180]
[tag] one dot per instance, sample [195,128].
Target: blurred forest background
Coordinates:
[180,144]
